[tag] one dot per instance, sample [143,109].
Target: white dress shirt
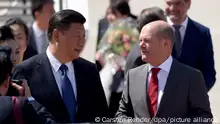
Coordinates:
[182,29]
[40,37]
[55,64]
[162,76]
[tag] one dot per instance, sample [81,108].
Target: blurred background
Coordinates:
[203,11]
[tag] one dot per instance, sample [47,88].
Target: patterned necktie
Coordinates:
[178,39]
[153,91]
[68,94]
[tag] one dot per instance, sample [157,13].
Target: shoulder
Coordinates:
[199,26]
[183,68]
[29,62]
[137,69]
[83,62]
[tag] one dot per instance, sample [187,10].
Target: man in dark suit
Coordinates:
[163,88]
[147,15]
[67,85]
[193,45]
[15,109]
[42,10]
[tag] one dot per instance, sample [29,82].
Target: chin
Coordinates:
[174,18]
[144,58]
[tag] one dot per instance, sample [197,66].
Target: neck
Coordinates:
[179,22]
[41,26]
[57,54]
[159,62]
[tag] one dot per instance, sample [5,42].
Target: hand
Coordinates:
[22,89]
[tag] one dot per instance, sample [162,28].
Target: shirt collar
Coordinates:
[37,31]
[183,24]
[165,66]
[56,64]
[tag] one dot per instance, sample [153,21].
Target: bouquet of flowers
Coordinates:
[119,39]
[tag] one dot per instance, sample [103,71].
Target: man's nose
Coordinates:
[141,45]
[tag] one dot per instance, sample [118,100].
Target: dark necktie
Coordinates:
[68,93]
[153,91]
[178,40]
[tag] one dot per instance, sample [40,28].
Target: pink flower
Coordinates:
[125,38]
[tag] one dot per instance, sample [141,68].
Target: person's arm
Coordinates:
[125,107]
[198,97]
[208,67]
[35,113]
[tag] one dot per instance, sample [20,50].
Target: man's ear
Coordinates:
[56,36]
[189,4]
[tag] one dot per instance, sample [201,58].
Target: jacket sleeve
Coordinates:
[35,113]
[125,108]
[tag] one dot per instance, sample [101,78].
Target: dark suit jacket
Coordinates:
[31,47]
[91,99]
[197,52]
[185,95]
[32,111]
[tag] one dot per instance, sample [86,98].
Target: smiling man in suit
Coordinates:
[67,85]
[193,45]
[163,88]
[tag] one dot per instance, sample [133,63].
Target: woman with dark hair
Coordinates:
[20,32]
[7,39]
[113,49]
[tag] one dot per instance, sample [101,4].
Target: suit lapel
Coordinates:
[79,84]
[49,86]
[142,79]
[169,90]
[188,40]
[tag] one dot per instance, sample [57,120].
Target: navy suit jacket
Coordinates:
[197,51]
[91,101]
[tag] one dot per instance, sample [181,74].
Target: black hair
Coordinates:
[5,34]
[149,15]
[37,5]
[5,63]
[63,19]
[20,22]
[121,6]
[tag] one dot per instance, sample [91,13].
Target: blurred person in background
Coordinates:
[114,46]
[42,10]
[109,17]
[21,34]
[147,15]
[15,110]
[102,27]
[7,39]
[193,44]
